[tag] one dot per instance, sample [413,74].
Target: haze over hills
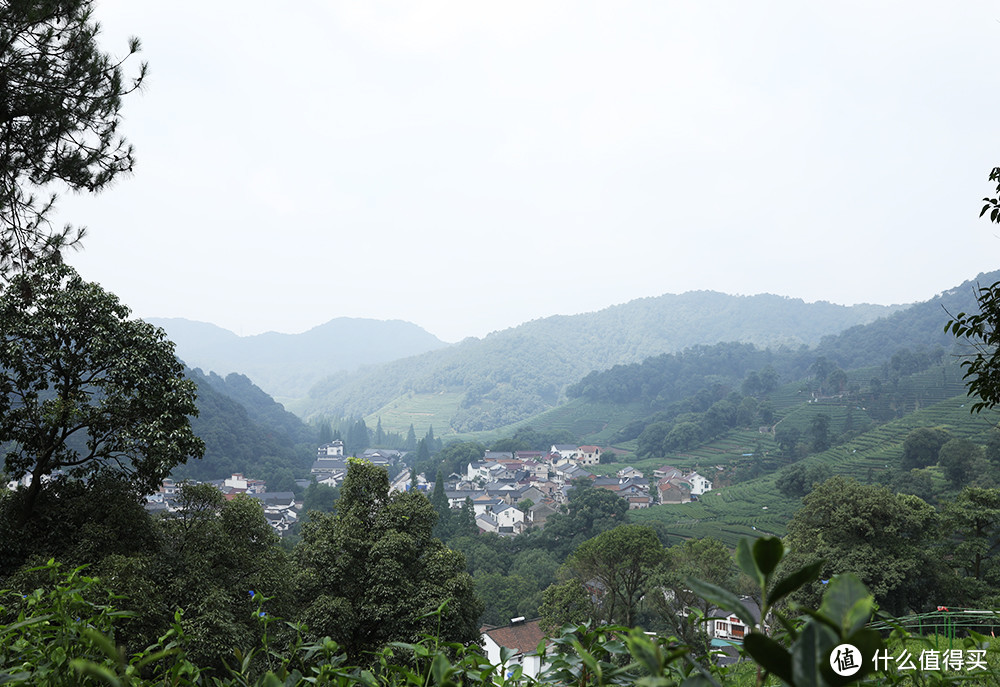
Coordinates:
[513,374]
[287,365]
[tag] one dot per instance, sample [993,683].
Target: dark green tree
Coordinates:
[371,574]
[618,562]
[961,460]
[565,603]
[819,430]
[325,432]
[86,390]
[439,499]
[671,597]
[320,497]
[972,530]
[799,479]
[683,436]
[217,557]
[922,446]
[60,110]
[981,330]
[885,539]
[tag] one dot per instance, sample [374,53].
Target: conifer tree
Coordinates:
[60,110]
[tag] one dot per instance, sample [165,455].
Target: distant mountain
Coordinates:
[516,373]
[287,365]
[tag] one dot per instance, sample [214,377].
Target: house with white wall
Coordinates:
[522,638]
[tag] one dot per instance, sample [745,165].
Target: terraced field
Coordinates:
[421,410]
[756,507]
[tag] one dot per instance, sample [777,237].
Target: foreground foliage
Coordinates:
[64,633]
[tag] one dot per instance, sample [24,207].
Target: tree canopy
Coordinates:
[373,572]
[60,108]
[982,330]
[86,390]
[871,532]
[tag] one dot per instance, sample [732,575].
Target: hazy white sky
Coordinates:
[469,166]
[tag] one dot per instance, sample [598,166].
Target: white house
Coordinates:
[589,455]
[699,484]
[522,637]
[334,448]
[565,451]
[508,516]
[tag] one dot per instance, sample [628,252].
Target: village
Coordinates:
[509,492]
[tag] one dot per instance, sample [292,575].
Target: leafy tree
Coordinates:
[683,436]
[321,497]
[747,411]
[836,381]
[788,439]
[706,559]
[506,596]
[84,389]
[819,428]
[372,573]
[919,482]
[535,565]
[619,562]
[973,521]
[76,522]
[798,479]
[766,412]
[566,603]
[61,108]
[981,331]
[961,460]
[883,538]
[217,556]
[922,446]
[590,511]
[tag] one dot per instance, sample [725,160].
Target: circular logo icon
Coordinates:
[845,660]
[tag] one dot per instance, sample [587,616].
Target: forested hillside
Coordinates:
[519,372]
[246,431]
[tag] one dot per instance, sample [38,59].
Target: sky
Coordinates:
[469,166]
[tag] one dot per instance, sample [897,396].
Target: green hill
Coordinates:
[517,373]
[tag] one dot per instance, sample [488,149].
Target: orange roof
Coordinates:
[523,637]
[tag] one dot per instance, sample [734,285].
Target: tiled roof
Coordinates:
[523,637]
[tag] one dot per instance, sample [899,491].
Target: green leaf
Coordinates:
[83,667]
[440,668]
[767,553]
[847,603]
[746,562]
[794,581]
[723,598]
[811,654]
[770,655]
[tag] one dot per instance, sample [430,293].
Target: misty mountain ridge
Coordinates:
[513,374]
[287,365]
